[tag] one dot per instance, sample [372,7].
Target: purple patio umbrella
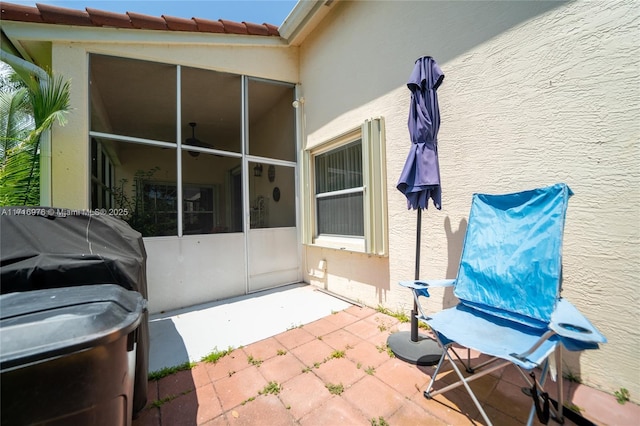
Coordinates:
[420,177]
[419,182]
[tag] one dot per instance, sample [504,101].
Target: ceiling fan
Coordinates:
[194,141]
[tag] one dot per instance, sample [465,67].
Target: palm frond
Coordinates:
[16,120]
[47,102]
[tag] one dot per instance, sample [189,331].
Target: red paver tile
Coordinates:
[410,414]
[374,398]
[221,420]
[265,409]
[175,384]
[603,408]
[239,387]
[152,391]
[231,363]
[508,398]
[195,407]
[340,371]
[498,417]
[363,329]
[209,406]
[321,327]
[149,416]
[382,320]
[303,393]
[181,410]
[368,354]
[360,312]
[200,375]
[264,349]
[342,318]
[281,368]
[315,351]
[341,340]
[405,378]
[335,411]
[294,337]
[455,408]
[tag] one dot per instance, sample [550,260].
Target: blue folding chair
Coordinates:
[508,285]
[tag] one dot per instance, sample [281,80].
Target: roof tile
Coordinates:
[146,22]
[256,29]
[180,24]
[233,27]
[273,29]
[49,14]
[62,15]
[209,26]
[17,12]
[103,18]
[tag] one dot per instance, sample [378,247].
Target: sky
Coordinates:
[255,11]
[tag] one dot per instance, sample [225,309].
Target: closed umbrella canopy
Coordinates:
[420,177]
[419,181]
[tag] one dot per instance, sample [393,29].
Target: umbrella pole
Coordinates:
[414,311]
[410,346]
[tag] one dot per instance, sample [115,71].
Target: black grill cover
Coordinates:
[43,247]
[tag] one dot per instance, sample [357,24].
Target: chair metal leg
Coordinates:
[558,354]
[557,413]
[464,382]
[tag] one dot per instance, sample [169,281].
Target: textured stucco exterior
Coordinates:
[535,93]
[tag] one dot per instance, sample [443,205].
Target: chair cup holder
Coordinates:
[574,328]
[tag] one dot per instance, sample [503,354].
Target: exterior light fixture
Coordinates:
[257,170]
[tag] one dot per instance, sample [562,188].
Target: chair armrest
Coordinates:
[568,322]
[425,284]
[421,288]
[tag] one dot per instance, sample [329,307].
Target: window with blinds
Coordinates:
[339,191]
[346,205]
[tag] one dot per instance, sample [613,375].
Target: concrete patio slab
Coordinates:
[189,334]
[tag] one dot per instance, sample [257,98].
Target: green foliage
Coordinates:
[380,421]
[399,315]
[254,361]
[167,371]
[272,388]
[622,395]
[215,355]
[28,108]
[335,389]
[337,354]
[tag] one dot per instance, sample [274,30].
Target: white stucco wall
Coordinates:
[535,93]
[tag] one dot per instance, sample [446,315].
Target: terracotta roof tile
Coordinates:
[62,15]
[209,26]
[180,24]
[49,14]
[273,29]
[103,18]
[233,27]
[255,29]
[16,12]
[146,22]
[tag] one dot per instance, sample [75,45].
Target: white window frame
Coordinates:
[375,240]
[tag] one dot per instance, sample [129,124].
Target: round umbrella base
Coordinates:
[425,351]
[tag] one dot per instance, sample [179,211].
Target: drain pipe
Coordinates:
[45,138]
